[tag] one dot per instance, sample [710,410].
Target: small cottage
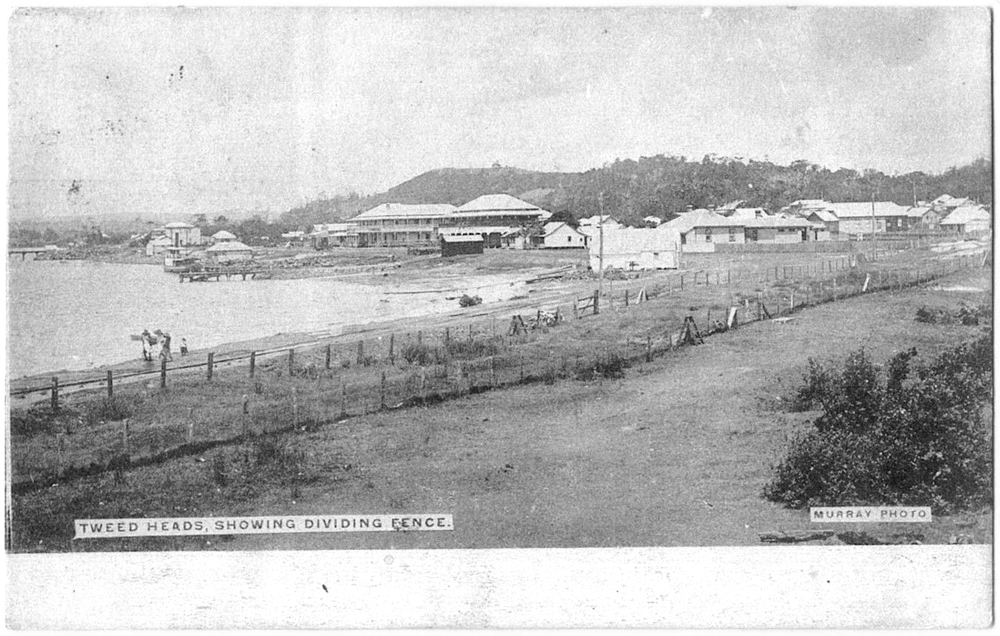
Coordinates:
[634,248]
[229,252]
[561,236]
[967,219]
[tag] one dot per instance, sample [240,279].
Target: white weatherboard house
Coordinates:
[561,236]
[700,230]
[967,219]
[634,248]
[158,245]
[856,218]
[182,234]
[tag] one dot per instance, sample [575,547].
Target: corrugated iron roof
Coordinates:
[497,202]
[864,208]
[964,214]
[406,211]
[700,218]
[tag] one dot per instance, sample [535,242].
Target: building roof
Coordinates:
[863,209]
[549,228]
[630,240]
[699,218]
[406,211]
[810,203]
[223,235]
[498,202]
[823,215]
[964,214]
[917,211]
[229,246]
[775,221]
[596,220]
[179,225]
[949,201]
[745,213]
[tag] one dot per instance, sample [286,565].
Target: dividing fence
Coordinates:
[316,384]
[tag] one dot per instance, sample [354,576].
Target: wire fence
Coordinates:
[298,388]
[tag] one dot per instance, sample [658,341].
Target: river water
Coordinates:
[76,315]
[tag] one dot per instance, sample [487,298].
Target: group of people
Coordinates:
[156,345]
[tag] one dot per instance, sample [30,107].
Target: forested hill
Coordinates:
[661,186]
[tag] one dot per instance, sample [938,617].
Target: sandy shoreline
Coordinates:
[501,293]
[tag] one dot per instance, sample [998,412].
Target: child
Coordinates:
[184,347]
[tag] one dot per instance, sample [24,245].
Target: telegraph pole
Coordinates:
[874,240]
[600,250]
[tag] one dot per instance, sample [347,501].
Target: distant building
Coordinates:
[699,230]
[222,236]
[825,224]
[635,248]
[229,252]
[857,218]
[334,235]
[182,234]
[400,224]
[501,220]
[560,236]
[779,230]
[158,245]
[461,245]
[967,219]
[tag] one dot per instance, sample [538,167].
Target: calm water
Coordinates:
[75,315]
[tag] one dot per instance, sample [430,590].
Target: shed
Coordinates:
[561,236]
[967,219]
[457,245]
[229,252]
[634,248]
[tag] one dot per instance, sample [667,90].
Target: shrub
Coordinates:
[469,301]
[896,439]
[106,410]
[419,353]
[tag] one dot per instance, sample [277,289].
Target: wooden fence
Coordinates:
[417,368]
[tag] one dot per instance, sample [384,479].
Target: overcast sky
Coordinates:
[204,110]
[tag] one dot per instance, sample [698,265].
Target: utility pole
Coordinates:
[600,250]
[874,243]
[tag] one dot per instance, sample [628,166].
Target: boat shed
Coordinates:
[229,252]
[458,245]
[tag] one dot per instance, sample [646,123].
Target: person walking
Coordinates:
[165,345]
[147,346]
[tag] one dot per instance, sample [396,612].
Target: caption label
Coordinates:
[871,514]
[185,526]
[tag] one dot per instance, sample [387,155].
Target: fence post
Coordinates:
[343,396]
[111,386]
[125,441]
[55,393]
[835,288]
[729,277]
[791,299]
[576,315]
[291,362]
[211,363]
[295,408]
[423,386]
[682,282]
[597,303]
[447,337]
[246,414]
[253,362]
[382,391]
[60,451]
[328,352]
[420,337]
[361,351]
[163,374]
[190,436]
[649,348]
[626,298]
[493,371]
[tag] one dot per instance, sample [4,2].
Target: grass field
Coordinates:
[674,453]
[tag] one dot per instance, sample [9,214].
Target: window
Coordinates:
[708,236]
[732,235]
[569,239]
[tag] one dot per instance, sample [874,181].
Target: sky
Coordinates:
[198,110]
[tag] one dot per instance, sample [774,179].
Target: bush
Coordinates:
[469,301]
[896,439]
[106,410]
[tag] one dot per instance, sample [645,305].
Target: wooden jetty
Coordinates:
[205,274]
